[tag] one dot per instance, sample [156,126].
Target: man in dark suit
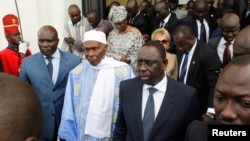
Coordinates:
[245,15]
[230,97]
[198,21]
[230,26]
[173,105]
[165,19]
[49,83]
[198,66]
[137,19]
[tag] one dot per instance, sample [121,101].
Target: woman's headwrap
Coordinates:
[117,13]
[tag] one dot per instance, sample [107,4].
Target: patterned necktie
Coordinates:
[184,68]
[149,114]
[226,54]
[50,65]
[203,32]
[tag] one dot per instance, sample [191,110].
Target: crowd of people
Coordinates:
[143,72]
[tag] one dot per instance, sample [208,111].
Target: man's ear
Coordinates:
[165,64]
[31,138]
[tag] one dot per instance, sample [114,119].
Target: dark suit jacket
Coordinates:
[198,130]
[179,107]
[202,73]
[141,24]
[214,42]
[34,70]
[245,21]
[170,27]
[190,20]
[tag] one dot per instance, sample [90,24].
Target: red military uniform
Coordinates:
[10,59]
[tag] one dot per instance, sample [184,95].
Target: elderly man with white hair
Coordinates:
[91,98]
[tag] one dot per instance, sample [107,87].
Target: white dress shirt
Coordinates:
[165,20]
[206,27]
[158,95]
[190,55]
[55,61]
[221,47]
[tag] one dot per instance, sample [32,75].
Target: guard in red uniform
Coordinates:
[11,57]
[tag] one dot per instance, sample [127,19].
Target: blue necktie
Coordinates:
[203,32]
[149,114]
[184,68]
[50,65]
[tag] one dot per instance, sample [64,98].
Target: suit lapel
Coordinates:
[179,58]
[169,24]
[41,65]
[138,108]
[194,61]
[63,68]
[166,108]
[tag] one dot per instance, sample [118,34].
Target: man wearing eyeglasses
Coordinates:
[154,107]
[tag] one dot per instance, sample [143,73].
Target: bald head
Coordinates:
[200,9]
[132,8]
[74,13]
[157,1]
[230,19]
[230,26]
[21,111]
[184,38]
[73,7]
[185,31]
[241,43]
[132,4]
[48,28]
[161,10]
[200,3]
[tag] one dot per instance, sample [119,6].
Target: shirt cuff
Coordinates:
[211,110]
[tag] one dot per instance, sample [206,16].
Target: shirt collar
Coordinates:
[12,47]
[191,52]
[56,54]
[224,41]
[167,18]
[160,86]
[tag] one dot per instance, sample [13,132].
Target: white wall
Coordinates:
[34,14]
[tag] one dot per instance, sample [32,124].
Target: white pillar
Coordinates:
[33,15]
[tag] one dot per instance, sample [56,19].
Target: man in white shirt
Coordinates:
[162,115]
[230,26]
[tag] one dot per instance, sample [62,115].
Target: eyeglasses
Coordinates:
[147,63]
[162,41]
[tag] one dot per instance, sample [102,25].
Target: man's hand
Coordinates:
[22,47]
[69,40]
[125,58]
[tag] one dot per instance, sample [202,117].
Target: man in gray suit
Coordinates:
[47,72]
